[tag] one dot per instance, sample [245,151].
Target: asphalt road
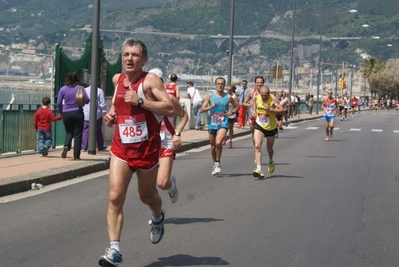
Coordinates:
[332,203]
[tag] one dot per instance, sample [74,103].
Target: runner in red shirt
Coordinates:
[354,102]
[172,88]
[135,145]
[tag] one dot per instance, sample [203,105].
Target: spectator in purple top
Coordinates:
[72,115]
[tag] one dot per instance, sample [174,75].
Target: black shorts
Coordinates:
[215,132]
[279,117]
[271,133]
[341,108]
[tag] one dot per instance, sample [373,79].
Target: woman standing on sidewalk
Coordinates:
[72,114]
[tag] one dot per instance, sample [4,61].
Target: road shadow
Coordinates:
[187,260]
[190,220]
[324,157]
[282,176]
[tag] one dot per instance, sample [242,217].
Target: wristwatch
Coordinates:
[140,102]
[177,134]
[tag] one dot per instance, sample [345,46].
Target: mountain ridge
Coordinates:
[34,21]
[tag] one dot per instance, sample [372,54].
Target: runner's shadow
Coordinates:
[191,220]
[226,175]
[282,176]
[325,157]
[187,260]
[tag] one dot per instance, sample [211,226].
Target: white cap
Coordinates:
[158,72]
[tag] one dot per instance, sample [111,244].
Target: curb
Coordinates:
[23,183]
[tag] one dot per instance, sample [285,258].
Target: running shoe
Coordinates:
[111,258]
[230,144]
[64,152]
[157,230]
[173,192]
[45,151]
[216,170]
[270,167]
[258,173]
[327,139]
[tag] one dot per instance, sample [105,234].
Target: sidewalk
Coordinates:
[19,171]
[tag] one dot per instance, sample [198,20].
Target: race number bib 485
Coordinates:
[132,129]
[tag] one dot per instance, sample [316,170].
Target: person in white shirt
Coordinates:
[196,101]
[101,111]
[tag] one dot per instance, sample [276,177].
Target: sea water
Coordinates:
[6,95]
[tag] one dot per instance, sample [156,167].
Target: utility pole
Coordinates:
[94,79]
[230,72]
[292,52]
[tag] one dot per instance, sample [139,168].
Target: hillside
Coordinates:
[31,20]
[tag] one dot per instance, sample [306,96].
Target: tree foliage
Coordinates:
[383,77]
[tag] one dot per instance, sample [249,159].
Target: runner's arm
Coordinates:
[205,107]
[179,111]
[247,98]
[277,107]
[235,105]
[109,119]
[157,99]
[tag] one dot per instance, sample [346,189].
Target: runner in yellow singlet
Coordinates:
[264,109]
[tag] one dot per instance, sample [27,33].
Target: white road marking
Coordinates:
[376,130]
[355,129]
[312,128]
[396,131]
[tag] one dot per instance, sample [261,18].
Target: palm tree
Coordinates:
[372,66]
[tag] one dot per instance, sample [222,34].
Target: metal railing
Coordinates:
[17,131]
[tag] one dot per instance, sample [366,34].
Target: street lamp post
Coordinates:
[94,79]
[230,73]
[292,52]
[231,67]
[319,65]
[339,36]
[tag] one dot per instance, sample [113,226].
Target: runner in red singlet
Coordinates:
[135,144]
[170,142]
[172,88]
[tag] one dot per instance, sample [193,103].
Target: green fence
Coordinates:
[63,65]
[17,131]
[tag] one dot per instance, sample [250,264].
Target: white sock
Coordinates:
[115,245]
[259,167]
[156,220]
[270,160]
